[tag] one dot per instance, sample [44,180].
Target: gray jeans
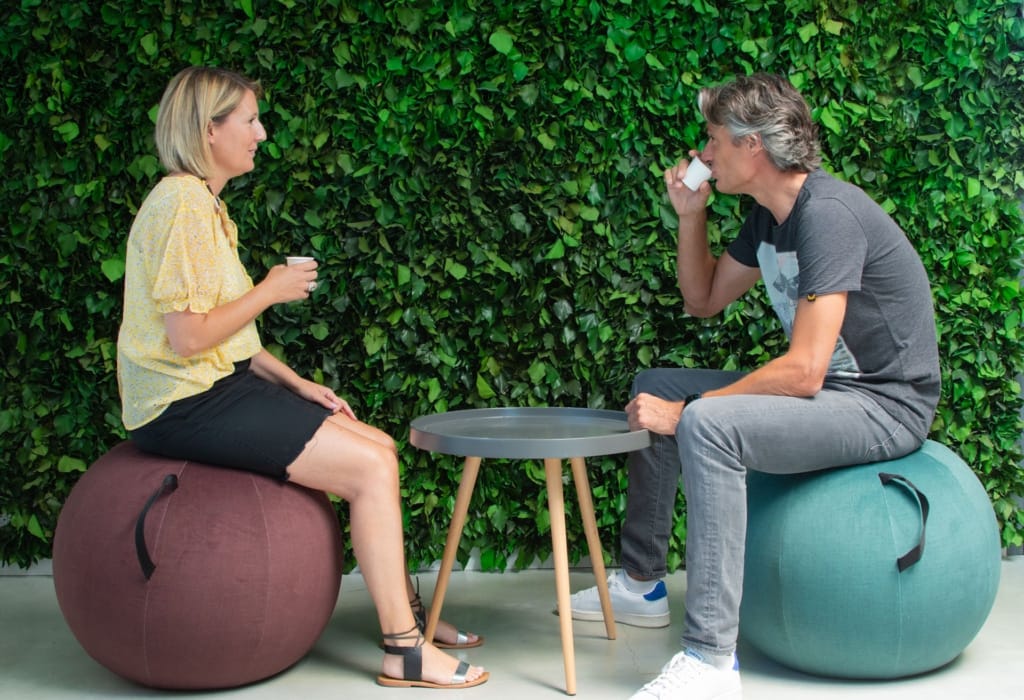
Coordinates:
[718,439]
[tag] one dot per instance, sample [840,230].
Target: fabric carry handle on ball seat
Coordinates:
[168,485]
[914,555]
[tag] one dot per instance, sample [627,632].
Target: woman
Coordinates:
[197,384]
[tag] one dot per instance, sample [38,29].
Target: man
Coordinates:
[858,383]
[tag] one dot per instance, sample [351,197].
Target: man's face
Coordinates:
[731,164]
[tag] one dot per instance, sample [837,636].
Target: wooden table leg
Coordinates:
[579,476]
[560,552]
[451,545]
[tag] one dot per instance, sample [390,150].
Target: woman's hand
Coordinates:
[189,333]
[319,394]
[291,282]
[268,367]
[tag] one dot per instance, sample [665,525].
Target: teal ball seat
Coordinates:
[854,574]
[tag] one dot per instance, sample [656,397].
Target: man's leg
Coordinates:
[654,473]
[638,596]
[719,439]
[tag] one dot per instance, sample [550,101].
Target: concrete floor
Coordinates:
[39,657]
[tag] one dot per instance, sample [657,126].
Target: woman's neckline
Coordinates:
[217,204]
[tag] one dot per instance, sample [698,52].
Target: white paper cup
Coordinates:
[696,173]
[298,260]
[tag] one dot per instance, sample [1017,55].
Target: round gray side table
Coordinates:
[548,434]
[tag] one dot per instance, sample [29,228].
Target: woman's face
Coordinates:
[233,141]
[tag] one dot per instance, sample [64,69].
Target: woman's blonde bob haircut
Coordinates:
[194,99]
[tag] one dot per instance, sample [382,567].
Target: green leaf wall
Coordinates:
[482,185]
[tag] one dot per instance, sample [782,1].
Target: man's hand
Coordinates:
[685,201]
[651,413]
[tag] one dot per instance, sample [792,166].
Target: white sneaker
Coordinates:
[686,676]
[639,610]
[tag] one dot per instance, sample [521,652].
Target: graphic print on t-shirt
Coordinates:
[781,274]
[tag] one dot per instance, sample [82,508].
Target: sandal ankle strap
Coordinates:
[412,657]
[408,634]
[419,611]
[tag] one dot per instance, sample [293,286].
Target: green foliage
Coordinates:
[481,184]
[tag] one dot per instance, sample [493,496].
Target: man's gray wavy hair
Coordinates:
[770,107]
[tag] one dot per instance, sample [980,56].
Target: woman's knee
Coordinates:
[346,463]
[379,470]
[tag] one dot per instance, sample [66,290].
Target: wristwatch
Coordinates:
[691,398]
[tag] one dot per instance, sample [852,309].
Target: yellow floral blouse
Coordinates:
[182,254]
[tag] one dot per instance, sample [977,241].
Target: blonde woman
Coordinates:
[196,383]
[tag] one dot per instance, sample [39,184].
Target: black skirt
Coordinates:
[241,422]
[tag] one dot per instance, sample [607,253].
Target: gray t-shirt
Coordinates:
[837,239]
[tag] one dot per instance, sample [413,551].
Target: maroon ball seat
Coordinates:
[179,575]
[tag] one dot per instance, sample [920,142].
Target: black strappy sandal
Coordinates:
[412,666]
[419,612]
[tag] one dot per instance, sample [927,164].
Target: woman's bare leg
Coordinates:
[359,464]
[445,632]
